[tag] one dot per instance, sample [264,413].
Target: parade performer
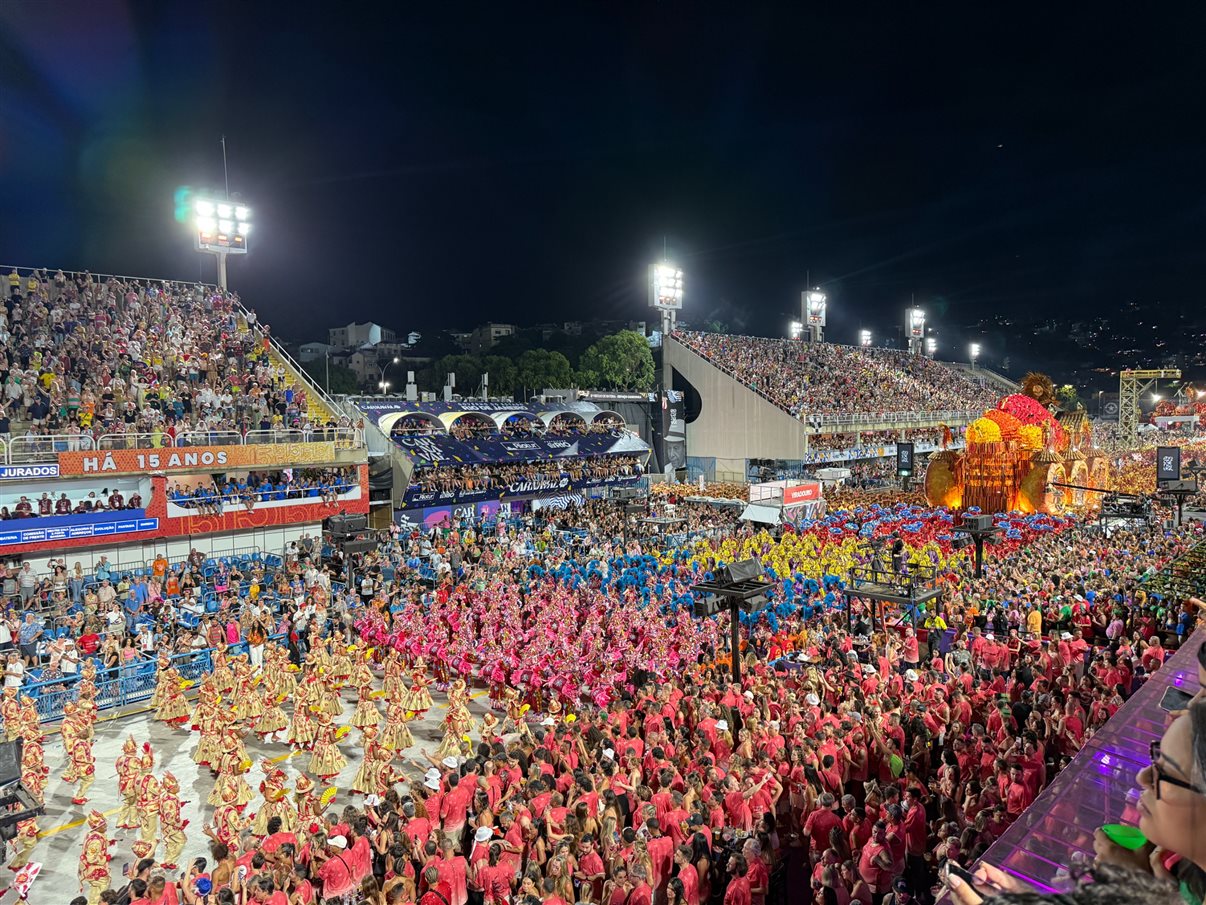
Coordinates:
[366,713]
[76,730]
[309,807]
[394,683]
[149,795]
[419,700]
[94,858]
[272,720]
[228,822]
[171,822]
[34,772]
[10,709]
[129,774]
[327,761]
[206,719]
[302,730]
[29,723]
[171,706]
[24,842]
[232,764]
[276,802]
[396,738]
[366,779]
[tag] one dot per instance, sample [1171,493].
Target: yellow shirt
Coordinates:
[1034,622]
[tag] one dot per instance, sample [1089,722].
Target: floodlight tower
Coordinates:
[666,293]
[220,229]
[813,305]
[864,337]
[915,329]
[973,353]
[931,346]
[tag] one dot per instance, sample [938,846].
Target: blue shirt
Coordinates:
[28,631]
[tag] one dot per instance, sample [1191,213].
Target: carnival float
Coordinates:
[1018,454]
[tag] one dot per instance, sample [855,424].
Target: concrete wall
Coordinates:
[734,422]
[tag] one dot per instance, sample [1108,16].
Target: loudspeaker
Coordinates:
[745,570]
[343,525]
[978,522]
[358,546]
[1168,464]
[904,459]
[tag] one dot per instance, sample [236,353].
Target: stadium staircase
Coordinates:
[987,377]
[320,408]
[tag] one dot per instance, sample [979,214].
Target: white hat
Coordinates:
[548,721]
[722,725]
[451,762]
[749,696]
[1065,636]
[371,801]
[482,834]
[432,773]
[870,668]
[433,784]
[990,636]
[812,699]
[609,753]
[911,675]
[338,842]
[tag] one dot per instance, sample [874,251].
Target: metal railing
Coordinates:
[37,449]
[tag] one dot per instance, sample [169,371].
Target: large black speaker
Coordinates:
[904,459]
[343,525]
[357,546]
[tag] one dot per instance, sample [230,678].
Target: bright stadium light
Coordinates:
[1156,397]
[864,337]
[931,346]
[666,286]
[796,329]
[915,329]
[221,228]
[814,305]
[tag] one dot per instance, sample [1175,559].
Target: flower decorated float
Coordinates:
[1016,455]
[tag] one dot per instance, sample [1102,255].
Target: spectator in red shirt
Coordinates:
[738,890]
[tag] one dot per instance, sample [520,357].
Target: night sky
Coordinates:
[524,163]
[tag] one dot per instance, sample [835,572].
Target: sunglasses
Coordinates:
[1159,776]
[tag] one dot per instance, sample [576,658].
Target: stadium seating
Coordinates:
[826,379]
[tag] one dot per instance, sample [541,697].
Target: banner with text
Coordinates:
[418,498]
[185,458]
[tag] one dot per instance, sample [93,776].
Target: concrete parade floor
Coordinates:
[62,827]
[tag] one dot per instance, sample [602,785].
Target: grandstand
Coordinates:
[808,403]
[112,384]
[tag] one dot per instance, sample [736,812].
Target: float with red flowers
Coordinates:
[1017,454]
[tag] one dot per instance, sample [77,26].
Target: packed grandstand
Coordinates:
[524,701]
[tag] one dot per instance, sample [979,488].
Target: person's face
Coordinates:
[1171,816]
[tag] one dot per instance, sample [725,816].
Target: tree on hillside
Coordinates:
[1067,398]
[468,371]
[540,369]
[503,374]
[621,361]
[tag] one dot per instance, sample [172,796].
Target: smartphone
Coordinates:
[953,867]
[1175,699]
[125,869]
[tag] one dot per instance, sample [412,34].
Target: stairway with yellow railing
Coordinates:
[317,409]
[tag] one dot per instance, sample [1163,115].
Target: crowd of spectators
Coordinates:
[84,356]
[321,484]
[826,379]
[45,506]
[488,476]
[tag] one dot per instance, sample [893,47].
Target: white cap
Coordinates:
[990,636]
[548,721]
[749,696]
[722,725]
[870,668]
[911,675]
[432,773]
[609,753]
[482,834]
[812,699]
[433,784]
[451,762]
[338,842]
[1065,636]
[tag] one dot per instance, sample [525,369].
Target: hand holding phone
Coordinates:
[1175,699]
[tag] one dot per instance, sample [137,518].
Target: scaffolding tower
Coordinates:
[1132,385]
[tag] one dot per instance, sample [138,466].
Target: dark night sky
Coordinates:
[523,163]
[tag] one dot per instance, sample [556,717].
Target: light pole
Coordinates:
[815,305]
[931,346]
[795,328]
[974,353]
[221,228]
[385,367]
[915,329]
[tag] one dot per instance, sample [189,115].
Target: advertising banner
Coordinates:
[417,498]
[801,493]
[71,527]
[185,458]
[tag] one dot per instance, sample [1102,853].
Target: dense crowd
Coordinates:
[491,476]
[827,379]
[45,506]
[86,356]
[620,764]
[315,484]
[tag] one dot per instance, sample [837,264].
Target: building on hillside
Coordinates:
[355,335]
[308,352]
[484,337]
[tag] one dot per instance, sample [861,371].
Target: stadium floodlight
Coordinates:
[864,337]
[973,352]
[915,329]
[221,228]
[1156,397]
[666,286]
[931,346]
[796,329]
[813,307]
